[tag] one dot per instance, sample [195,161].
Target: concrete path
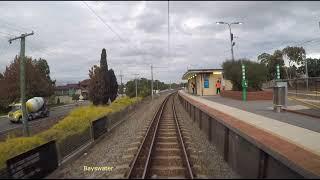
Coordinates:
[302,137]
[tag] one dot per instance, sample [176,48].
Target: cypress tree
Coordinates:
[103,82]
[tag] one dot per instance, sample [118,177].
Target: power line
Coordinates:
[305,42]
[103,21]
[19,30]
[6,33]
[122,39]
[294,43]
[168,30]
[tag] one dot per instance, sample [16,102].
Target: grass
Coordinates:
[76,122]
[55,105]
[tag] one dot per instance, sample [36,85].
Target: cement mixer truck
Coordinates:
[36,108]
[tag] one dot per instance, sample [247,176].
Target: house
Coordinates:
[84,87]
[66,92]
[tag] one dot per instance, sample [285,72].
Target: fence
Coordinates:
[305,89]
[69,147]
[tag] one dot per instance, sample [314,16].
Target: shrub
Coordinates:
[76,122]
[256,74]
[75,96]
[15,146]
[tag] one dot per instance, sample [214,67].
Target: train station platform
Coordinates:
[265,108]
[297,142]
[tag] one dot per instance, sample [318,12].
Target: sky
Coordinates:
[135,34]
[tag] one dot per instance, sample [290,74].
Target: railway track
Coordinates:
[162,153]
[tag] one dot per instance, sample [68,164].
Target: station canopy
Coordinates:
[193,72]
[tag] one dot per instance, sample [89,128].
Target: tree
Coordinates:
[1,76]
[121,88]
[264,58]
[256,74]
[144,87]
[38,82]
[313,67]
[75,96]
[271,62]
[294,55]
[95,90]
[103,82]
[113,85]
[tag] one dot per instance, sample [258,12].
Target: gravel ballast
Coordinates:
[205,157]
[116,150]
[112,150]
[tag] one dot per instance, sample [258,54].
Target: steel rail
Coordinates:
[155,119]
[185,156]
[148,146]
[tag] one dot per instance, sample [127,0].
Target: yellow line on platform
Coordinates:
[309,104]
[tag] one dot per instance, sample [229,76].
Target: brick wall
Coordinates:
[251,96]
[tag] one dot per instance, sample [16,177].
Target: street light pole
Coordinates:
[231,35]
[231,42]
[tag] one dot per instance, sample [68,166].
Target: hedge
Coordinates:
[256,74]
[76,122]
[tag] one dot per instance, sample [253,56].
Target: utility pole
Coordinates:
[157,85]
[23,81]
[136,85]
[151,82]
[121,75]
[307,76]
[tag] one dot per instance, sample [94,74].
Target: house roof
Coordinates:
[192,72]
[85,82]
[68,86]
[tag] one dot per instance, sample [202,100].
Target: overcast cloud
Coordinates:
[70,37]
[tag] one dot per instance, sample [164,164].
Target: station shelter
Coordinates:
[205,81]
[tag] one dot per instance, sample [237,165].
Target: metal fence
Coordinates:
[73,145]
[304,88]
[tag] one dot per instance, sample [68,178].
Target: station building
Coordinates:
[205,81]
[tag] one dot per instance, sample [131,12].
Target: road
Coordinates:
[55,112]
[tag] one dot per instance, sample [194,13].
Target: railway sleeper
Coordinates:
[172,171]
[167,152]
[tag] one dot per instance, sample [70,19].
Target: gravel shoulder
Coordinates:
[109,151]
[207,162]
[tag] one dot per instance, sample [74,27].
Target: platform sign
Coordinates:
[243,72]
[206,83]
[244,83]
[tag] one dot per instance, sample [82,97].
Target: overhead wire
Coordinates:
[110,28]
[15,26]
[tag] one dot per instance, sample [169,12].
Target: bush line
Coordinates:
[76,122]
